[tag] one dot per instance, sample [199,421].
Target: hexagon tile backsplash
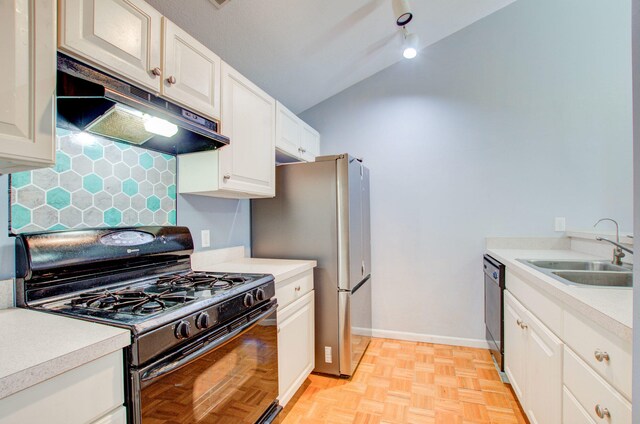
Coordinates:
[96,183]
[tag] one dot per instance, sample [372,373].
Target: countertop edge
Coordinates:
[296,266]
[28,377]
[538,280]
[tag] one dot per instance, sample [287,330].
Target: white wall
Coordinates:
[494,131]
[636,205]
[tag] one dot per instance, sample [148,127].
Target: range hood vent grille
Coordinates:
[89,100]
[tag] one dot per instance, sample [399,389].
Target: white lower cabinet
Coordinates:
[296,334]
[572,411]
[533,356]
[91,393]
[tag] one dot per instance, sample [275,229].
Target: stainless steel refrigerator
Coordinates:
[321,212]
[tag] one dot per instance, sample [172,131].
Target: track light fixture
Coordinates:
[402,12]
[410,46]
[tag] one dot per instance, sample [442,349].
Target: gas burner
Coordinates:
[200,280]
[135,301]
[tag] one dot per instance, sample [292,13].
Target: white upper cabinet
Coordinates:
[310,143]
[248,119]
[191,72]
[246,167]
[27,85]
[295,140]
[122,36]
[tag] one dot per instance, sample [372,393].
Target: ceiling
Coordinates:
[305,51]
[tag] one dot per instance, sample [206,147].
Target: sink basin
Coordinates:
[598,278]
[578,265]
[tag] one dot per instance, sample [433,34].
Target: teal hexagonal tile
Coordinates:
[171,191]
[58,198]
[146,161]
[20,179]
[168,157]
[172,218]
[112,217]
[20,216]
[92,183]
[57,227]
[130,187]
[153,203]
[63,162]
[122,146]
[93,151]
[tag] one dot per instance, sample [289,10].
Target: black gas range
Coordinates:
[193,333]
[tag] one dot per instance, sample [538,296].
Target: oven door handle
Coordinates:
[155,371]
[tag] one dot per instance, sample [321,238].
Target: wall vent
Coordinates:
[219,3]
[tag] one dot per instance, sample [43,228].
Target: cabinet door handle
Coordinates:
[227,176]
[519,322]
[156,71]
[601,356]
[602,412]
[298,288]
[524,326]
[171,80]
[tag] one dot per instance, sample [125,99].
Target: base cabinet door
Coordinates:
[248,118]
[543,388]
[27,85]
[121,36]
[515,340]
[533,363]
[296,338]
[86,394]
[572,411]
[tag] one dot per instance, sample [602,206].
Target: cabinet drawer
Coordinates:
[572,411]
[294,288]
[119,416]
[585,338]
[590,390]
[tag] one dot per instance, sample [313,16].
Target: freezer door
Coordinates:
[350,222]
[355,325]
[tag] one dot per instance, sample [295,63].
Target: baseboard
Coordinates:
[430,338]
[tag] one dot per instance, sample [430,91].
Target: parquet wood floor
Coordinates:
[409,382]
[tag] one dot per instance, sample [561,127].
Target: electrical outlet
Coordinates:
[328,357]
[205,238]
[560,224]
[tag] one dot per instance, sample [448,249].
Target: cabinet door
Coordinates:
[543,389]
[296,338]
[310,143]
[121,36]
[515,345]
[119,416]
[27,84]
[191,71]
[288,131]
[247,165]
[572,411]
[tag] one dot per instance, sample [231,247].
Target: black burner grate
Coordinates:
[135,301]
[200,280]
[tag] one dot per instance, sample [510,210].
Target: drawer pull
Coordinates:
[601,356]
[602,412]
[298,288]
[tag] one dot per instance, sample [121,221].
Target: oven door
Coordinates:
[230,375]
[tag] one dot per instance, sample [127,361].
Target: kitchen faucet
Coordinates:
[618,253]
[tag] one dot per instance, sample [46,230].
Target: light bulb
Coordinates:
[160,126]
[409,53]
[410,47]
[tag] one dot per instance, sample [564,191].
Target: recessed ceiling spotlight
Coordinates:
[402,12]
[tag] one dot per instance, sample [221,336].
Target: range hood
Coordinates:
[92,101]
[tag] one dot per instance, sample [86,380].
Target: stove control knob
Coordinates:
[248,300]
[203,321]
[260,296]
[183,330]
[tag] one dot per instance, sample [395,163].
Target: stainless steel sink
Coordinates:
[596,278]
[597,273]
[578,265]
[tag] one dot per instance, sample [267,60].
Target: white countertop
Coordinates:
[610,307]
[281,269]
[36,346]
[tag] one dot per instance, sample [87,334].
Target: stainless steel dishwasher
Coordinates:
[493,308]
